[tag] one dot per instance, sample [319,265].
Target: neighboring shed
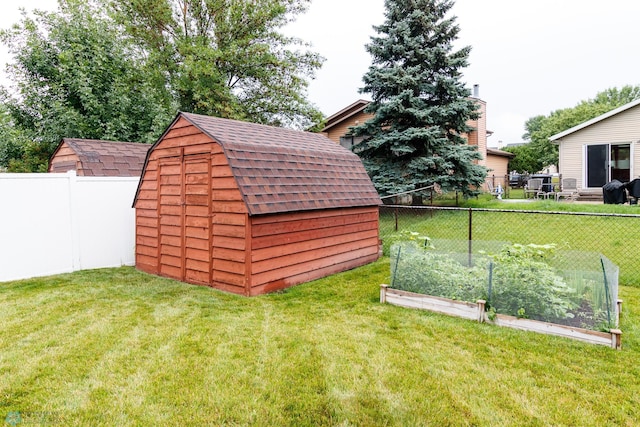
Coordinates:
[92,157]
[250,209]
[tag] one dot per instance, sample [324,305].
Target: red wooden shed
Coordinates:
[249,208]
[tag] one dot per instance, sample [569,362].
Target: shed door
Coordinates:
[184,206]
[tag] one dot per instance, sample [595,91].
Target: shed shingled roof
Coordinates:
[108,158]
[283,170]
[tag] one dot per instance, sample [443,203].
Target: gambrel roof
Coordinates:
[92,157]
[282,170]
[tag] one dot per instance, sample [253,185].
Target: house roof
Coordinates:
[595,120]
[345,113]
[105,158]
[496,152]
[282,170]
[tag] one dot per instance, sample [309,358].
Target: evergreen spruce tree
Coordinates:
[421,107]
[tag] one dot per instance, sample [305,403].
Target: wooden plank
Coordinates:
[170,209]
[170,180]
[196,199]
[197,232]
[170,271]
[224,277]
[197,211]
[173,251]
[169,169]
[197,254]
[306,245]
[229,219]
[228,230]
[146,221]
[174,220]
[218,183]
[222,172]
[170,260]
[197,179]
[148,204]
[147,231]
[151,251]
[196,167]
[229,266]
[196,149]
[171,230]
[197,265]
[229,194]
[439,305]
[148,195]
[229,207]
[147,213]
[260,288]
[147,241]
[201,244]
[197,277]
[170,240]
[168,200]
[179,131]
[305,267]
[286,217]
[150,261]
[164,152]
[169,190]
[197,189]
[228,254]
[197,221]
[304,224]
[185,141]
[148,184]
[268,264]
[301,236]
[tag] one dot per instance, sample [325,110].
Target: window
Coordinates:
[348,141]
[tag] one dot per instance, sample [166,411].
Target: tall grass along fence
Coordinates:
[616,236]
[57,223]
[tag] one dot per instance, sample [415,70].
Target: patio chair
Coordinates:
[495,191]
[533,187]
[569,189]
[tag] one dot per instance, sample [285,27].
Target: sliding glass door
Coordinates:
[606,162]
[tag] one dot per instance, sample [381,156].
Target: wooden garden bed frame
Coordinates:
[476,311]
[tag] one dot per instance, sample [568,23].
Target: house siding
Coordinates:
[622,128]
[342,128]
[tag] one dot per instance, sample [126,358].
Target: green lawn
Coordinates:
[119,347]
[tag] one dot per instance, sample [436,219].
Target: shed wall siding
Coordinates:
[65,160]
[293,248]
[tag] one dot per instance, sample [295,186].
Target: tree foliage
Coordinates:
[421,108]
[227,58]
[120,69]
[73,77]
[540,152]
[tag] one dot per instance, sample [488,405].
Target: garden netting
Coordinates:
[537,282]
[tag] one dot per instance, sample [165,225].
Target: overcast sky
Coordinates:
[529,58]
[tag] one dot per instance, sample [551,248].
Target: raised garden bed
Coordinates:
[530,287]
[476,311]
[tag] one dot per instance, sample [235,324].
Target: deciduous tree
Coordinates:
[227,58]
[73,76]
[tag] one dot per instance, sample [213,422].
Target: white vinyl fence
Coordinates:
[58,223]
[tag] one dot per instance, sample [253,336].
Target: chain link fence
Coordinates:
[616,236]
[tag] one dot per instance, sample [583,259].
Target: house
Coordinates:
[249,208]
[91,157]
[337,129]
[601,149]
